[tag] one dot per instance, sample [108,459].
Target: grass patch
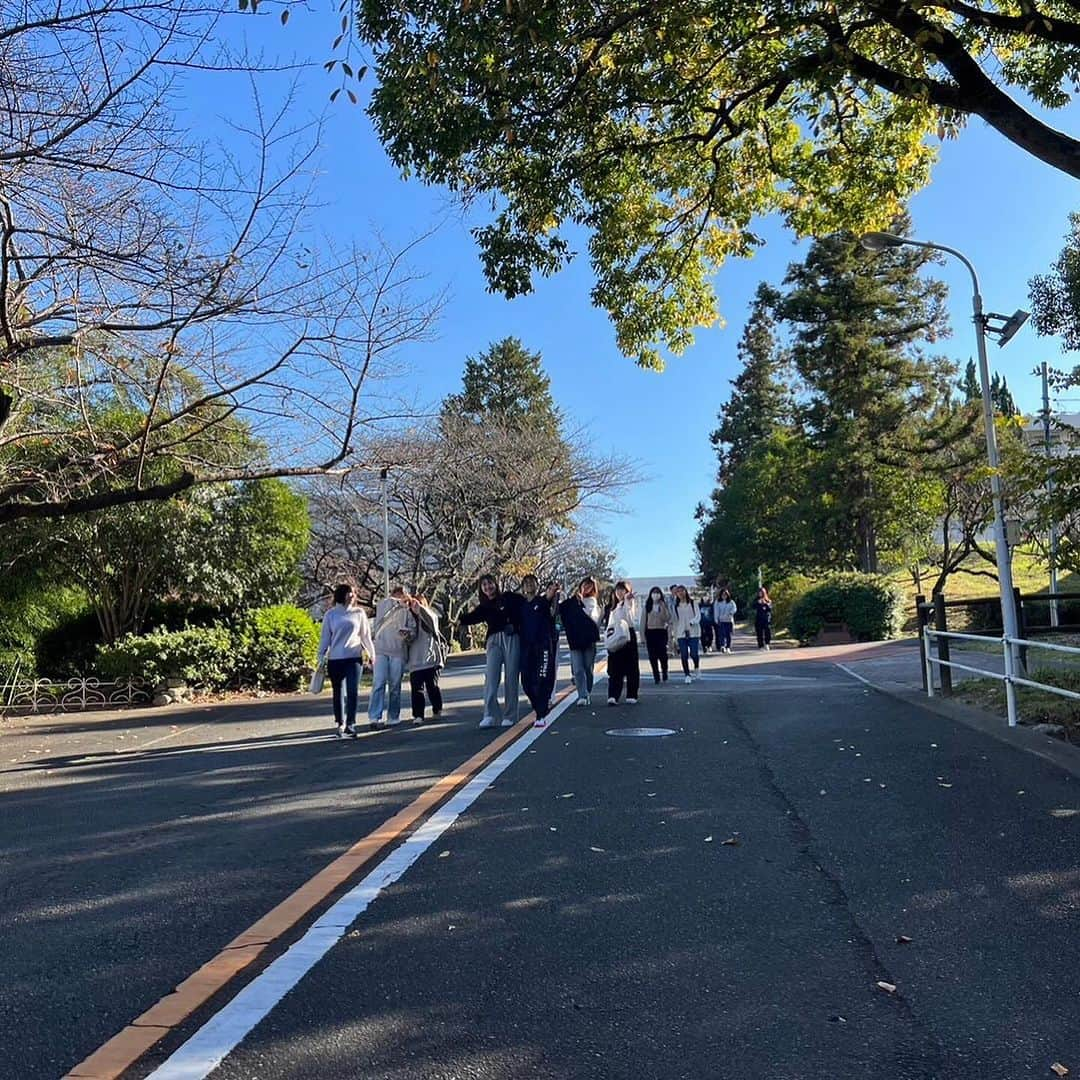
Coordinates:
[1034,706]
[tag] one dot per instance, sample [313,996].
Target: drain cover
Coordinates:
[641,732]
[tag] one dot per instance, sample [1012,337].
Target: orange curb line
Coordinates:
[128,1045]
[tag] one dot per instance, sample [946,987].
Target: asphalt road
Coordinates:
[585,917]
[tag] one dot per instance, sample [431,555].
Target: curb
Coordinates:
[1062,754]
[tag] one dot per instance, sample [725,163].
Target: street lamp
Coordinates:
[1004,328]
[384,476]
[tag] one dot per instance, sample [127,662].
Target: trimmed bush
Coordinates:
[785,594]
[276,648]
[870,606]
[268,648]
[203,656]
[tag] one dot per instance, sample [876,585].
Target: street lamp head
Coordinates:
[1012,325]
[881,241]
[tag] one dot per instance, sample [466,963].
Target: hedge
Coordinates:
[785,594]
[870,606]
[266,648]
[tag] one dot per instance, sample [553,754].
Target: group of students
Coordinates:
[405,637]
[521,645]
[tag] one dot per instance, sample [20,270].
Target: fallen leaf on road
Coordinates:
[650,795]
[933,746]
[903,939]
[823,792]
[524,808]
[552,828]
[837,1019]
[568,795]
[881,785]
[708,839]
[1062,812]
[1059,1069]
[1021,792]
[451,927]
[944,785]
[731,841]
[889,988]
[866,779]
[444,854]
[600,849]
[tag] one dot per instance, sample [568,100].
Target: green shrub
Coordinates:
[785,594]
[203,656]
[32,609]
[276,647]
[871,606]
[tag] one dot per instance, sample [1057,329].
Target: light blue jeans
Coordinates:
[386,672]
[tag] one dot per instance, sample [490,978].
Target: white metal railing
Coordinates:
[1009,677]
[36,696]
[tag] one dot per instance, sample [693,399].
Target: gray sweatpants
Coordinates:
[503,656]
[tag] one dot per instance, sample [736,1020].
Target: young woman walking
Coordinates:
[425,660]
[724,615]
[654,626]
[763,619]
[346,636]
[623,667]
[501,612]
[539,641]
[687,631]
[581,617]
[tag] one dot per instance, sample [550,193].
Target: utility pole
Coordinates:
[1048,443]
[384,476]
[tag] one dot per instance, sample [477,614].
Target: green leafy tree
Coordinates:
[760,399]
[663,131]
[859,328]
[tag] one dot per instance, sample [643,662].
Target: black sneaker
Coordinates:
[350,730]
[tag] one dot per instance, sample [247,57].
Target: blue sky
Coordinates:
[1004,210]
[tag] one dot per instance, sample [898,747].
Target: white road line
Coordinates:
[844,667]
[213,1042]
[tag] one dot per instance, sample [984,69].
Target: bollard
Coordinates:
[920,619]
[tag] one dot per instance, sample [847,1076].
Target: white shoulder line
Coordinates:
[844,667]
[216,1039]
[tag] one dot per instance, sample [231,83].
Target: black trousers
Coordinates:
[622,666]
[419,681]
[764,634]
[538,674]
[656,644]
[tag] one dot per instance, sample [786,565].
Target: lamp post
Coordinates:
[384,476]
[881,241]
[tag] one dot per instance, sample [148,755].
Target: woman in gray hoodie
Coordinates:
[426,658]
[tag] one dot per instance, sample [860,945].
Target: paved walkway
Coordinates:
[808,880]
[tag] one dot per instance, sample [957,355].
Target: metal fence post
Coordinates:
[928,665]
[941,623]
[920,619]
[1010,687]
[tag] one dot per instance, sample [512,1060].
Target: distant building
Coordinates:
[1064,433]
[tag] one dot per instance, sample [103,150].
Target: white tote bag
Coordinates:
[617,635]
[318,678]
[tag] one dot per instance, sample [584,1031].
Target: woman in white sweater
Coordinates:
[724,612]
[346,636]
[623,661]
[687,624]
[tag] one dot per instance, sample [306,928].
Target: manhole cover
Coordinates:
[641,732]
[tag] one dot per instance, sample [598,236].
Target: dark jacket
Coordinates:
[762,613]
[581,631]
[501,613]
[537,620]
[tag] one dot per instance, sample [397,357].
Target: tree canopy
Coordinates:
[664,130]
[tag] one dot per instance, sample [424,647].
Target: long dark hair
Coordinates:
[484,599]
[763,595]
[648,599]
[689,599]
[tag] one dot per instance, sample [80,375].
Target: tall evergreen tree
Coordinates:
[508,382]
[969,384]
[860,326]
[1001,397]
[760,400]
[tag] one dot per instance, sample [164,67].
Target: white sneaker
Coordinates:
[588,699]
[612,701]
[507,722]
[582,702]
[393,723]
[768,648]
[488,722]
[631,701]
[341,731]
[688,680]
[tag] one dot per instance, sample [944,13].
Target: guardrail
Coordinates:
[1009,677]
